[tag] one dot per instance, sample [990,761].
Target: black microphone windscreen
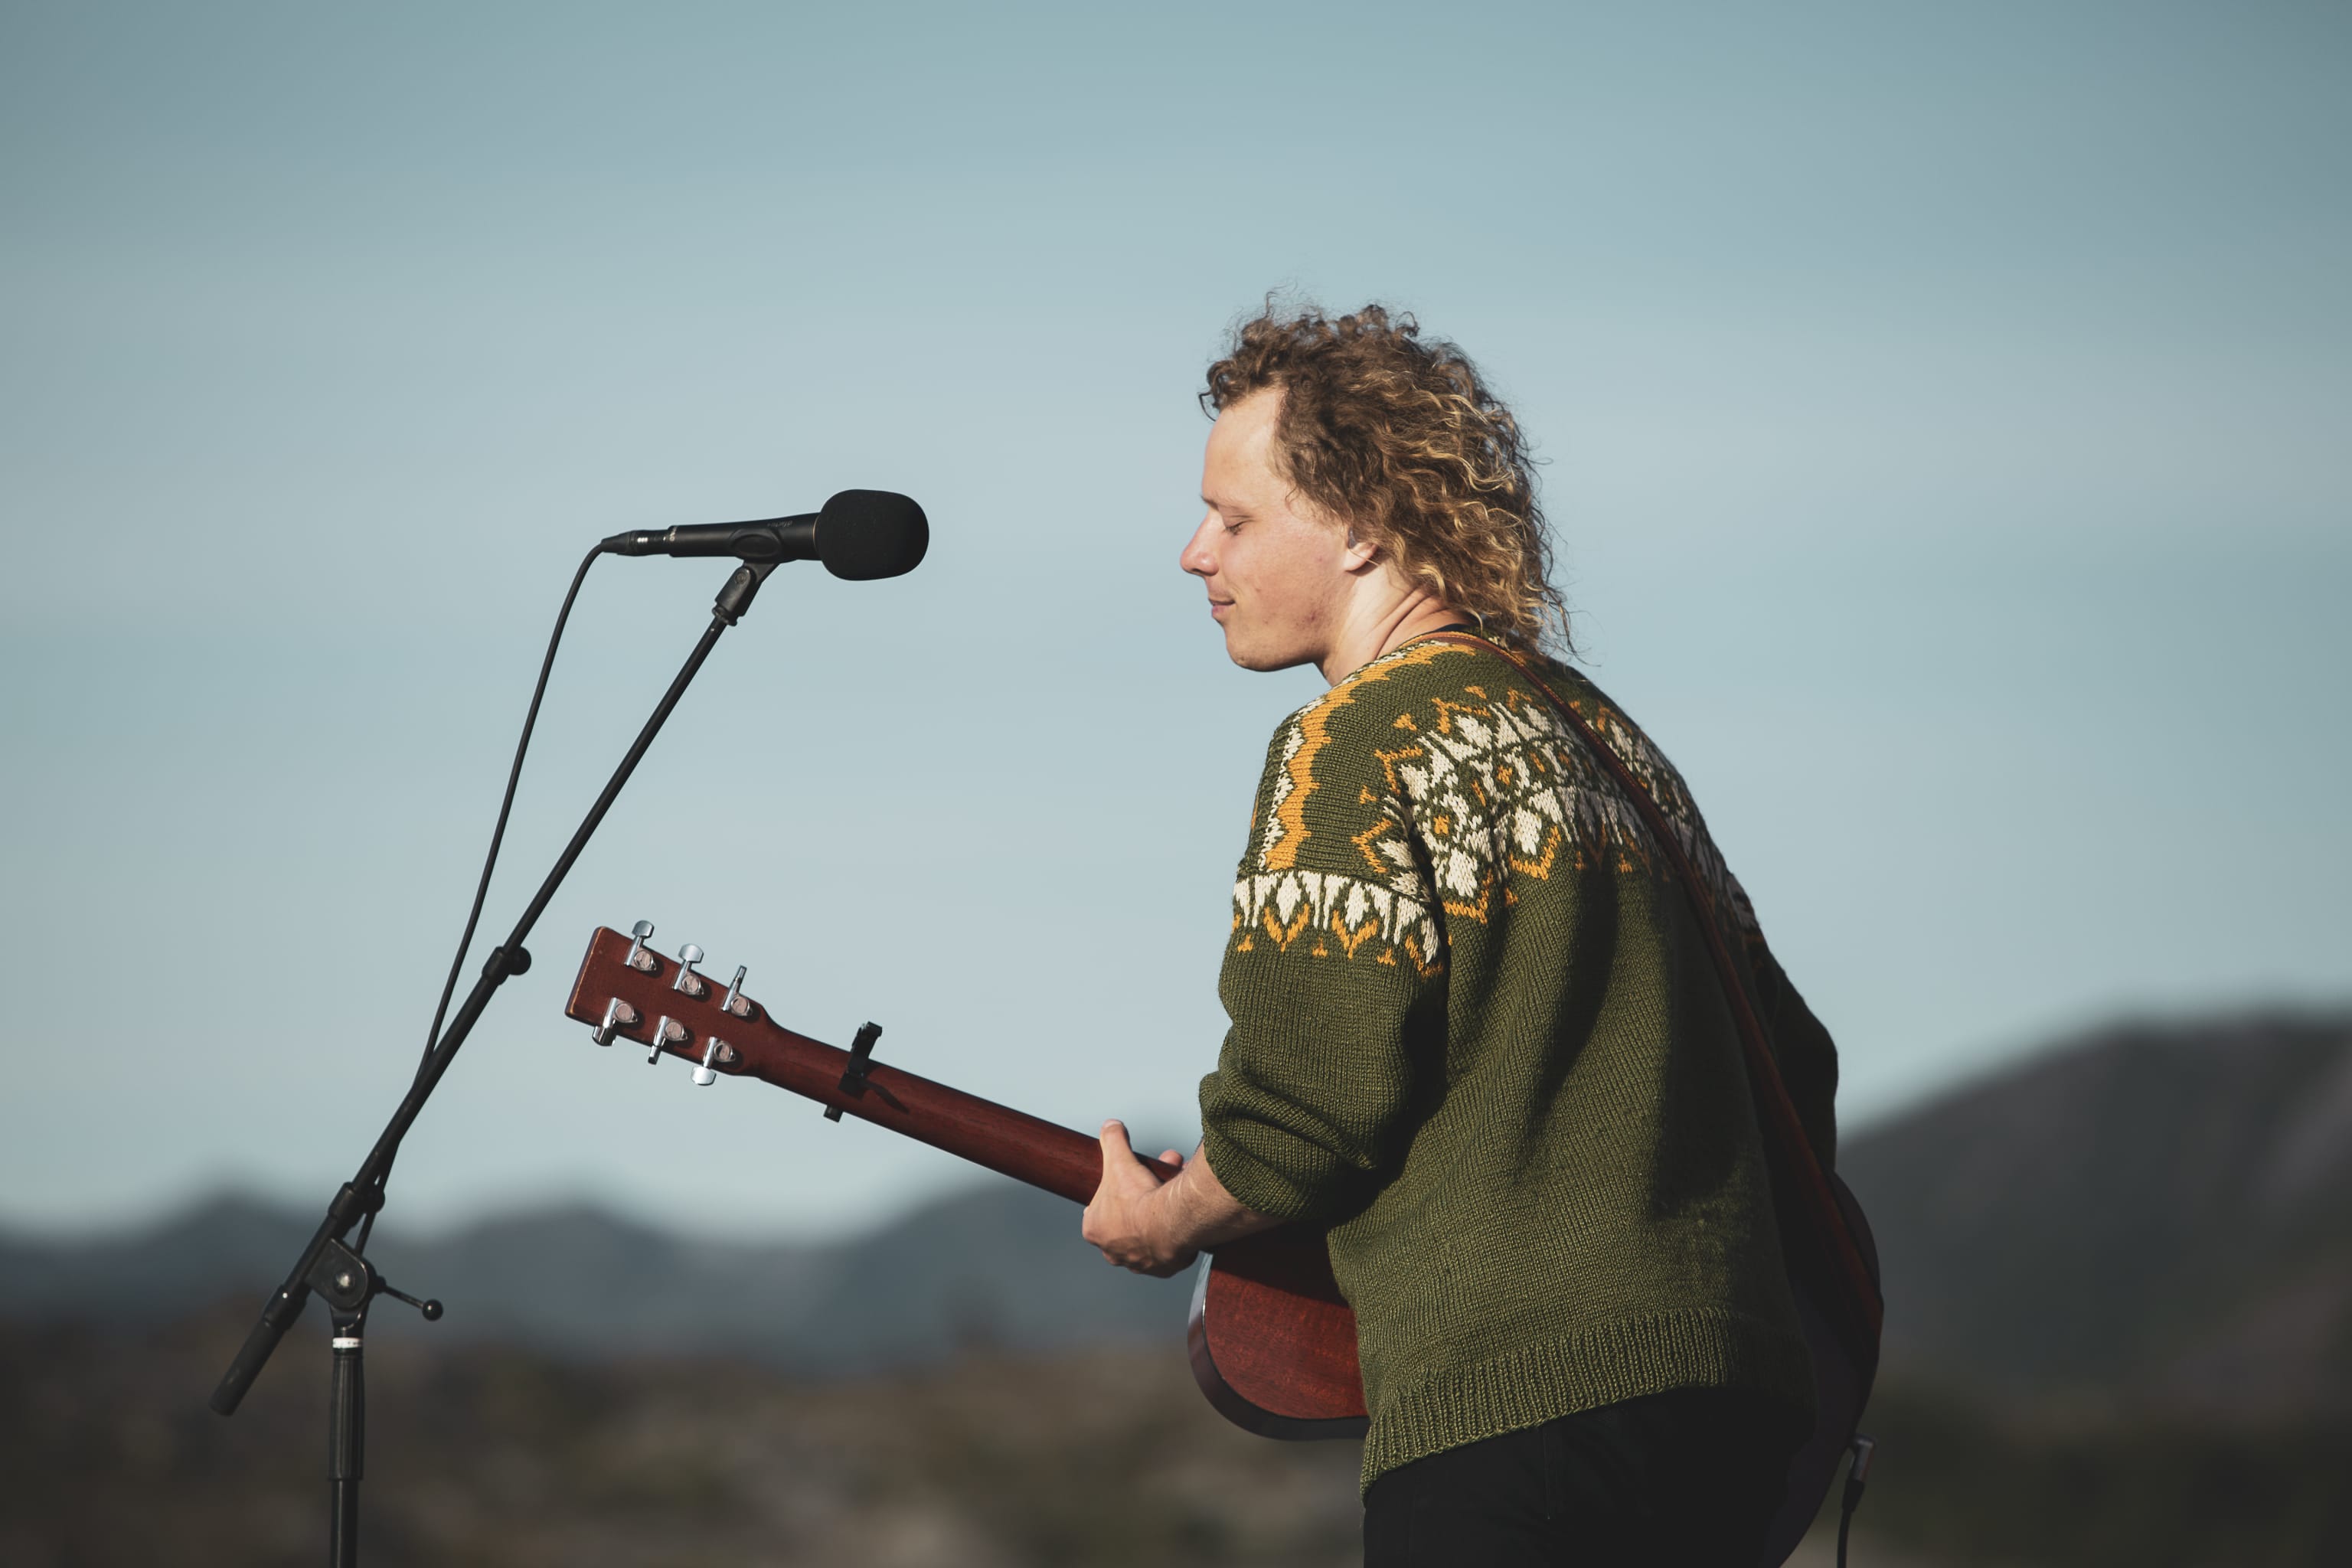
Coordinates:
[864,535]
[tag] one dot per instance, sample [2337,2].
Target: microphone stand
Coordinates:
[337,1271]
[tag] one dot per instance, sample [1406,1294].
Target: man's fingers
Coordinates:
[1119,1152]
[1119,1221]
[1117,1157]
[1122,1163]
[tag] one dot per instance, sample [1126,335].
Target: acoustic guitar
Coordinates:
[1272,1342]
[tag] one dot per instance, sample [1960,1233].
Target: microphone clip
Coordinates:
[742,585]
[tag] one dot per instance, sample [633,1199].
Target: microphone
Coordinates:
[860,535]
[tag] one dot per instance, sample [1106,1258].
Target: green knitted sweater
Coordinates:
[1476,1034]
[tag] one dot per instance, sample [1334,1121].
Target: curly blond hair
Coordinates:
[1397,436]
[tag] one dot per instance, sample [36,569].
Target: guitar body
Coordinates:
[1273,1344]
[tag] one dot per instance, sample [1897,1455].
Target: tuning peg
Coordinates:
[639,959]
[716,1055]
[618,1015]
[687,981]
[669,1032]
[735,1002]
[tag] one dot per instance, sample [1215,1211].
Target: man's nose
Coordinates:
[1196,556]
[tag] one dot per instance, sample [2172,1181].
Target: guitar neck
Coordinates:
[1005,1141]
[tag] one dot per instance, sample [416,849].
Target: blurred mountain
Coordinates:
[2157,1213]
[997,1267]
[2160,1215]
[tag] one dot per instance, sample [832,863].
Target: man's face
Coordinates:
[1278,574]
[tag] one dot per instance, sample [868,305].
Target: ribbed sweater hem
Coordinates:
[1687,1348]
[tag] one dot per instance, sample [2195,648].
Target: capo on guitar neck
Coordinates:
[861,1060]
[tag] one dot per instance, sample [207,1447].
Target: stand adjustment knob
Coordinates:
[428,1308]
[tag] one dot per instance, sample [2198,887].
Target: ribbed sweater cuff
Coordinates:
[1260,1187]
[1604,1365]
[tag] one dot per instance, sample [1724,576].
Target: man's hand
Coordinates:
[1129,1217]
[1156,1225]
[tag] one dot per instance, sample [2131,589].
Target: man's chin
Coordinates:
[1264,660]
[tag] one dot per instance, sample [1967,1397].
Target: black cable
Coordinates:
[491,861]
[1857,1476]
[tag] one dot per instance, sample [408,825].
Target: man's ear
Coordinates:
[1362,554]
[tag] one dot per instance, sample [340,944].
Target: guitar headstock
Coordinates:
[628,990]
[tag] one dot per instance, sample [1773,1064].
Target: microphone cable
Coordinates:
[489,861]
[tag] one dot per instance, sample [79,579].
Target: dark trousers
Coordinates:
[1687,1479]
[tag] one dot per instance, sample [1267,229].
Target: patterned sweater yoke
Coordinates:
[1475,1034]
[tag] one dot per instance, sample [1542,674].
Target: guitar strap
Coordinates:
[1804,1187]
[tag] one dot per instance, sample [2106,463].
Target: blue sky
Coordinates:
[1945,414]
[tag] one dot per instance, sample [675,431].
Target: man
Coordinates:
[1475,1033]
